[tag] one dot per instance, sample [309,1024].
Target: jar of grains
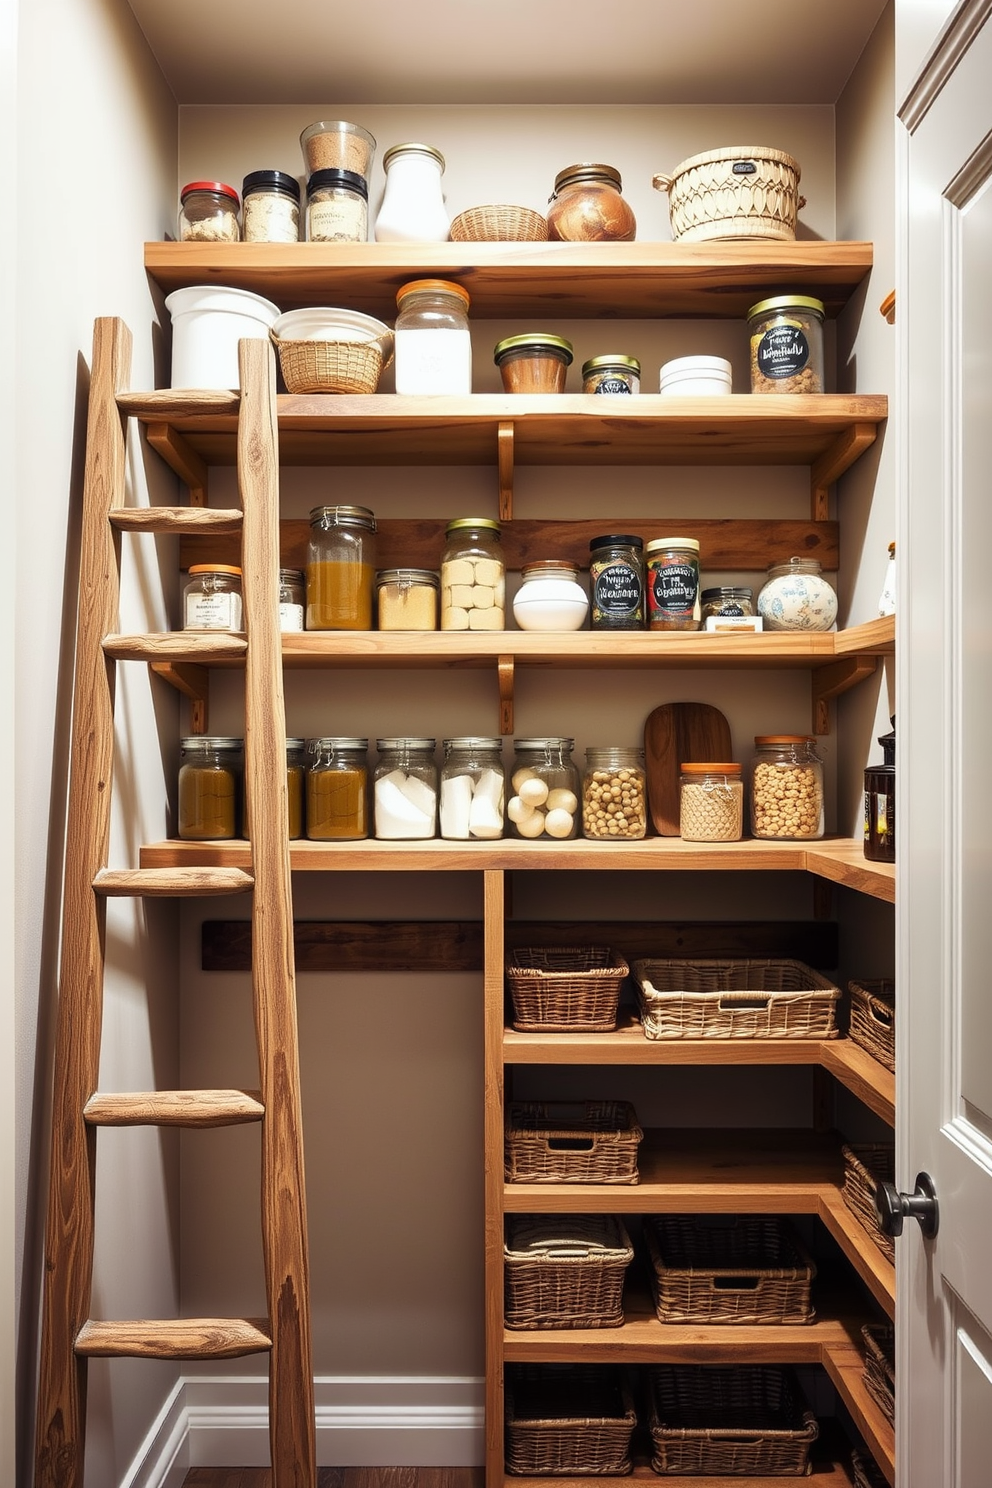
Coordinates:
[796,596]
[586,206]
[786,787]
[407,598]
[673,583]
[545,786]
[473,576]
[208,213]
[405,789]
[270,211]
[337,790]
[337,207]
[711,803]
[210,782]
[292,598]
[212,598]
[433,343]
[412,209]
[614,804]
[611,374]
[786,345]
[340,568]
[296,771]
[472,789]
[616,582]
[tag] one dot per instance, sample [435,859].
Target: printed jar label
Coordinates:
[616,594]
[674,587]
[213,612]
[613,385]
[782,352]
[339,221]
[290,617]
[731,609]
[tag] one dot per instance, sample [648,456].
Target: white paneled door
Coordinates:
[944,1357]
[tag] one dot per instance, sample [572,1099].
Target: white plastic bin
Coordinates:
[208,321]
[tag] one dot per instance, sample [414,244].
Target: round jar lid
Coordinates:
[292,575]
[688,365]
[460,523]
[616,540]
[343,516]
[335,176]
[659,544]
[221,568]
[433,286]
[423,576]
[551,568]
[718,768]
[413,148]
[472,741]
[536,341]
[787,302]
[218,187]
[587,171]
[764,739]
[544,743]
[382,744]
[337,742]
[210,741]
[727,591]
[296,743]
[795,565]
[271,180]
[603,363]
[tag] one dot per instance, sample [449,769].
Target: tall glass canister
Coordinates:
[340,568]
[472,789]
[545,789]
[405,789]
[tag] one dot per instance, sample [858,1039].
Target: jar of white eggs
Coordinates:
[545,790]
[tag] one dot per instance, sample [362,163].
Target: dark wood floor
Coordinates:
[342,1477]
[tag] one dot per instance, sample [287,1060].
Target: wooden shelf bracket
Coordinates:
[831,465]
[193,682]
[504,454]
[181,457]
[830,681]
[504,672]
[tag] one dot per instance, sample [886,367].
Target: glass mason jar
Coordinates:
[786,787]
[296,771]
[405,789]
[208,213]
[472,789]
[337,790]
[673,583]
[711,803]
[406,598]
[586,206]
[292,598]
[611,374]
[545,786]
[533,363]
[786,345]
[211,775]
[270,211]
[340,568]
[212,598]
[337,207]
[616,581]
[413,209]
[729,600]
[433,343]
[334,144]
[473,576]
[796,596]
[614,796]
[550,597]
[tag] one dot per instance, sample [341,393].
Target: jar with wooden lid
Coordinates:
[340,568]
[433,342]
[473,575]
[472,789]
[208,213]
[614,795]
[212,598]
[406,598]
[673,583]
[405,789]
[711,802]
[270,209]
[586,206]
[211,773]
[786,787]
[337,807]
[786,334]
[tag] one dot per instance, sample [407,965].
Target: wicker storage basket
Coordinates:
[571,1142]
[556,989]
[565,1271]
[728,999]
[880,1366]
[866,1471]
[330,366]
[743,191]
[499,224]
[728,1269]
[568,1418]
[864,1167]
[736,1420]
[873,1019]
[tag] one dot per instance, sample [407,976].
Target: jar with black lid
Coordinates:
[616,574]
[733,601]
[880,803]
[337,207]
[270,209]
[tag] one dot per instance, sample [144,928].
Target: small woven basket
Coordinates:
[735,999]
[743,191]
[728,1269]
[499,224]
[568,1418]
[571,1142]
[864,1167]
[565,1271]
[873,1019]
[880,1366]
[557,989]
[866,1471]
[330,366]
[728,1420]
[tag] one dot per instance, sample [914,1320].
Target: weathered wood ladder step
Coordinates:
[80,1110]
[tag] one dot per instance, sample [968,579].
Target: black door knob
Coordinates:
[893,1207]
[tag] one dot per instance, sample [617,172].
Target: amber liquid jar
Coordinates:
[210,780]
[337,790]
[296,772]
[340,568]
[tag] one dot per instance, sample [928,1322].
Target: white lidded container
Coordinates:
[413,209]
[208,321]
[696,377]
[550,598]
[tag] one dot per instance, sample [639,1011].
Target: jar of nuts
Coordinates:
[544,800]
[786,787]
[614,805]
[786,345]
[473,576]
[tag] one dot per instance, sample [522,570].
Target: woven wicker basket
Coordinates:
[568,1418]
[864,1167]
[728,1269]
[873,1019]
[499,224]
[866,1471]
[743,191]
[565,1271]
[571,1142]
[330,366]
[733,1420]
[735,999]
[880,1366]
[556,989]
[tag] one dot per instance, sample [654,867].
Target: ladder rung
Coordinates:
[176,645]
[165,883]
[176,518]
[175,1338]
[178,403]
[174,1108]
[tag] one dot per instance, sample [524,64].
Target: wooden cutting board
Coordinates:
[675,734]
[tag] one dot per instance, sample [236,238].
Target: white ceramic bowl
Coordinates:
[545,607]
[696,377]
[208,321]
[325,323]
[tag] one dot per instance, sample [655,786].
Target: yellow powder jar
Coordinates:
[337,790]
[340,568]
[407,598]
[210,778]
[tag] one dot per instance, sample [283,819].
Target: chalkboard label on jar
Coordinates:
[675,588]
[614,385]
[782,352]
[618,597]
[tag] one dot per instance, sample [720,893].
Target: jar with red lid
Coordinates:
[208,213]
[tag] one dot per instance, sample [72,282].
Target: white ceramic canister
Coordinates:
[413,209]
[796,596]
[208,321]
[550,597]
[696,377]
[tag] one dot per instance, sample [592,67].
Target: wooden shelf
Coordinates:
[640,280]
[825,1474]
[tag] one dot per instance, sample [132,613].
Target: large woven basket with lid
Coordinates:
[741,191]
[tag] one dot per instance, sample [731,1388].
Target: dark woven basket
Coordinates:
[571,1142]
[728,1269]
[568,1418]
[565,1271]
[880,1366]
[557,989]
[735,998]
[864,1167]
[873,1019]
[867,1473]
[733,1420]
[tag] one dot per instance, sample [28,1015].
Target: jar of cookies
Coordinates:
[473,576]
[614,799]
[786,787]
[786,334]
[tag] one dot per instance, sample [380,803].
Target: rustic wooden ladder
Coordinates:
[69,1336]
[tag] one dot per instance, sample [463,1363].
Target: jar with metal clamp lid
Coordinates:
[711,803]
[545,789]
[614,795]
[340,568]
[405,789]
[337,790]
[210,785]
[472,789]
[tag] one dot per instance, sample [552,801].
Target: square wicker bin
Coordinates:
[742,1419]
[880,1366]
[562,989]
[728,1269]
[873,1019]
[568,1418]
[565,1271]
[571,1142]
[864,1167]
[735,999]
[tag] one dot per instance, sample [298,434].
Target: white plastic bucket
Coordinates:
[208,321]
[696,377]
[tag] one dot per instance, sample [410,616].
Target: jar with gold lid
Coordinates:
[587,207]
[473,575]
[611,374]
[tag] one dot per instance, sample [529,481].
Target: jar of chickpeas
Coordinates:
[786,787]
[614,799]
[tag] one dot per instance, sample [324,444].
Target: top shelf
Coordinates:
[640,281]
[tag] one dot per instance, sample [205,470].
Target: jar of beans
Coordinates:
[613,794]
[786,787]
[711,803]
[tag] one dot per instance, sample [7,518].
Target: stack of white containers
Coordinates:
[696,377]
